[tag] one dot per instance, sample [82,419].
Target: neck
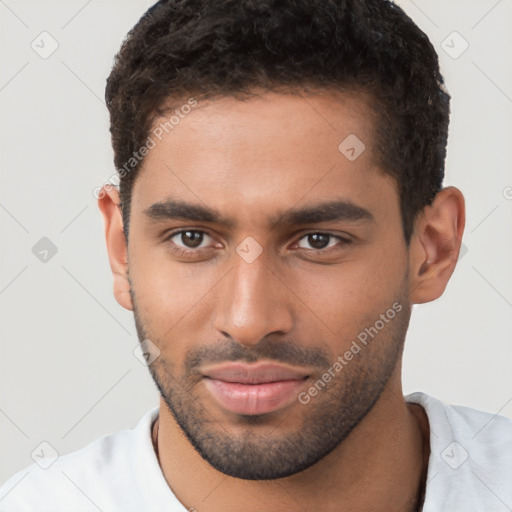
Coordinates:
[381,466]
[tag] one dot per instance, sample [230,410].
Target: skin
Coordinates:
[356,445]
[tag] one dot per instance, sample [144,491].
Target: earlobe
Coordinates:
[435,245]
[108,204]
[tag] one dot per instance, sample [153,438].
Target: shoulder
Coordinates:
[470,465]
[78,481]
[482,429]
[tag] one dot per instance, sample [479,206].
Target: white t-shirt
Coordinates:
[470,469]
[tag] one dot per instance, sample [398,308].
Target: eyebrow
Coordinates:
[328,211]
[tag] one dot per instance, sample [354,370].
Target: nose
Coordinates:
[253,302]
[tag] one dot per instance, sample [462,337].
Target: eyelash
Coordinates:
[187,252]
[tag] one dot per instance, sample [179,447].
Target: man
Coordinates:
[280,210]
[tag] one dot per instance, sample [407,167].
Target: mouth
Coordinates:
[253,389]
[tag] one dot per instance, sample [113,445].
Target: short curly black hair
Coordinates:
[215,48]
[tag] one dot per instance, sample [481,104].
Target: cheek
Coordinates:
[347,297]
[170,296]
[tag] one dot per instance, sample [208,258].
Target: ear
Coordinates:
[435,245]
[108,203]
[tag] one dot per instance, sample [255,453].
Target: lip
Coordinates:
[253,389]
[253,374]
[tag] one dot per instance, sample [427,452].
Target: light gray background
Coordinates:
[68,374]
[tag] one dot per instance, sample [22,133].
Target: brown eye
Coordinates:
[189,239]
[320,241]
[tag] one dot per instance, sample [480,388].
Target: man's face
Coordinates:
[267,285]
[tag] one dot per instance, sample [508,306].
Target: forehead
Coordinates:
[265,154]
